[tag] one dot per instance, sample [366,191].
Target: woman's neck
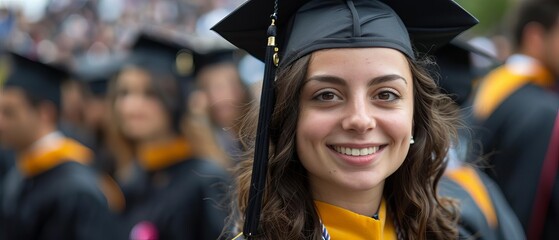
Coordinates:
[364,202]
[157,140]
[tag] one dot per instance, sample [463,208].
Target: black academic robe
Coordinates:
[473,219]
[518,140]
[58,204]
[184,201]
[6,164]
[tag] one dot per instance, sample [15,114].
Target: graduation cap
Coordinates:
[214,58]
[159,54]
[456,69]
[310,25]
[98,76]
[299,28]
[41,81]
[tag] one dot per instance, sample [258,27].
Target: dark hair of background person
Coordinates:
[543,12]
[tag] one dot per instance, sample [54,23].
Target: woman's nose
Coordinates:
[358,116]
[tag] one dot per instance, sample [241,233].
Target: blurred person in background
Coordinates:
[172,191]
[7,159]
[51,194]
[228,97]
[96,124]
[96,111]
[516,113]
[71,122]
[484,212]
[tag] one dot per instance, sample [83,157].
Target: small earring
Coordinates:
[412,141]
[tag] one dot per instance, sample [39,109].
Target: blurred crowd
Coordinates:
[76,31]
[140,132]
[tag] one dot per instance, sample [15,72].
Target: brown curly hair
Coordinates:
[288,210]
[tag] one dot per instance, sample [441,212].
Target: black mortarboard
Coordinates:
[299,28]
[456,69]
[97,76]
[216,57]
[160,54]
[41,81]
[307,26]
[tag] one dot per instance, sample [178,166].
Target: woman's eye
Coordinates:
[387,96]
[327,96]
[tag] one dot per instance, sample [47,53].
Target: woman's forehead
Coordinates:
[355,61]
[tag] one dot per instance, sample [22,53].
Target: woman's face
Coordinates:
[355,121]
[140,113]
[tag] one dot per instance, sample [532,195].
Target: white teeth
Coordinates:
[356,151]
[364,151]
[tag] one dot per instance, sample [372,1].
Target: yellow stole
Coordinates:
[344,224]
[47,156]
[504,81]
[470,181]
[159,156]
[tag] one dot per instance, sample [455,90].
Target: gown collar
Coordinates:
[341,223]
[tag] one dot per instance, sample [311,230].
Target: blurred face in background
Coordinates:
[19,121]
[140,114]
[95,112]
[542,44]
[551,48]
[72,102]
[225,93]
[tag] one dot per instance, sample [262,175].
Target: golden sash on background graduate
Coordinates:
[51,194]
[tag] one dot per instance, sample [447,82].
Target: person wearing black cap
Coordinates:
[96,122]
[96,79]
[174,192]
[515,111]
[358,131]
[484,212]
[51,194]
[218,78]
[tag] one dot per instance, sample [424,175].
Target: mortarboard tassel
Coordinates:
[261,155]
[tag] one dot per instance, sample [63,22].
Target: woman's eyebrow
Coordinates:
[340,81]
[386,78]
[327,79]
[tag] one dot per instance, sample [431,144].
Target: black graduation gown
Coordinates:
[473,220]
[517,139]
[184,201]
[6,164]
[61,203]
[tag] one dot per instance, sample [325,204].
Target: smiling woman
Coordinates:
[339,121]
[359,131]
[320,130]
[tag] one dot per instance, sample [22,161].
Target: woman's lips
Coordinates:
[357,156]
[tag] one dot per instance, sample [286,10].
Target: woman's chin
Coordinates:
[359,182]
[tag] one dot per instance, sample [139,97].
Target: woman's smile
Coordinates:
[358,155]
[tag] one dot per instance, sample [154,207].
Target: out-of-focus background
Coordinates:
[88,30]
